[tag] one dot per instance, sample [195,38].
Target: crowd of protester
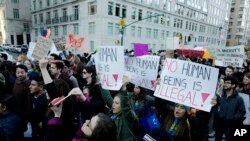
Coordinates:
[27,89]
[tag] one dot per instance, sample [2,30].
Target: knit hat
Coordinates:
[2,78]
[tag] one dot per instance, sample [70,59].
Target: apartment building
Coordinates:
[15,22]
[238,31]
[200,22]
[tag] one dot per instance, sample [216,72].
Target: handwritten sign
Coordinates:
[42,48]
[60,43]
[187,83]
[172,43]
[30,50]
[140,49]
[109,62]
[143,70]
[230,56]
[77,42]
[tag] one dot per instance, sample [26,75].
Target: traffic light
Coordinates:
[162,20]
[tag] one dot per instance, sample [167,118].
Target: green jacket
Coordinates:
[126,121]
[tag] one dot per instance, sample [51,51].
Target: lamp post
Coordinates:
[220,28]
[123,25]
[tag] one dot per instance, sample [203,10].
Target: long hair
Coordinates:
[182,129]
[93,71]
[104,130]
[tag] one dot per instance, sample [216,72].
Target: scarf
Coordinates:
[172,128]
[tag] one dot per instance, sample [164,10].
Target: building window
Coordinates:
[92,8]
[76,29]
[124,11]
[155,36]
[110,8]
[133,13]
[117,29]
[110,28]
[117,10]
[40,4]
[26,27]
[15,1]
[140,14]
[132,31]
[92,46]
[156,19]
[34,5]
[41,18]
[16,13]
[76,12]
[48,2]
[149,14]
[167,34]
[162,34]
[139,32]
[36,32]
[56,30]
[91,28]
[35,19]
[65,30]
[55,1]
[148,33]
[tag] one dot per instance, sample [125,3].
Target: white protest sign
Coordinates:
[109,62]
[187,83]
[30,50]
[230,56]
[142,70]
[172,43]
[42,48]
[54,50]
[245,98]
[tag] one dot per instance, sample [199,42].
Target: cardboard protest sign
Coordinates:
[245,98]
[140,49]
[54,50]
[109,63]
[143,70]
[30,50]
[60,43]
[230,56]
[77,42]
[42,48]
[187,83]
[172,43]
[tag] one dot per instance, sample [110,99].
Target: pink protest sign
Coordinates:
[140,49]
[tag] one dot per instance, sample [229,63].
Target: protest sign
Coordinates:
[140,49]
[42,48]
[60,43]
[109,63]
[172,43]
[187,83]
[30,50]
[54,50]
[143,70]
[77,42]
[230,56]
[245,98]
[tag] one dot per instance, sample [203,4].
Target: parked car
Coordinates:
[10,57]
[17,49]
[24,49]
[6,46]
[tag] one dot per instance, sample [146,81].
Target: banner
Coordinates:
[109,63]
[230,56]
[140,49]
[77,42]
[187,83]
[172,43]
[143,70]
[42,48]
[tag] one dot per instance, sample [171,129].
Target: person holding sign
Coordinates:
[125,119]
[60,115]
[230,110]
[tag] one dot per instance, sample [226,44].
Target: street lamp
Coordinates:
[220,28]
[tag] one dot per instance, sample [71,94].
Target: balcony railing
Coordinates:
[48,21]
[55,20]
[74,17]
[63,19]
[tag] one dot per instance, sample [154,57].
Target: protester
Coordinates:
[32,72]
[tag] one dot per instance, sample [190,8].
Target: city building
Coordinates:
[200,22]
[15,22]
[238,30]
